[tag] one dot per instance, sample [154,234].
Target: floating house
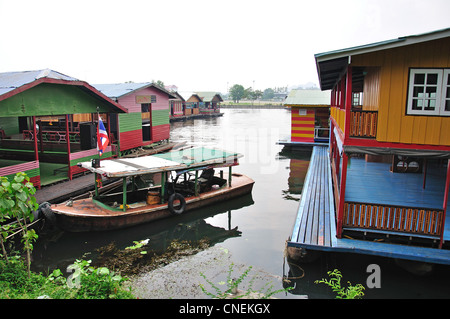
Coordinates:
[310,113]
[206,102]
[177,105]
[48,124]
[147,117]
[389,150]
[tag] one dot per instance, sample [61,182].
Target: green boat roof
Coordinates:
[172,161]
[196,155]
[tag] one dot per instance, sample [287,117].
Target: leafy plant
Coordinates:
[17,204]
[351,292]
[94,283]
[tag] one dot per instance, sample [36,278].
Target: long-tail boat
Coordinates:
[154,187]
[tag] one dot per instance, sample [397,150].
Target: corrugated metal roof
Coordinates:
[308,98]
[117,90]
[13,80]
[208,96]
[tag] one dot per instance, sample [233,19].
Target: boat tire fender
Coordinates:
[48,213]
[182,207]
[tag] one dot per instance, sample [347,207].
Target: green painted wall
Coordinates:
[160,117]
[10,125]
[52,99]
[130,122]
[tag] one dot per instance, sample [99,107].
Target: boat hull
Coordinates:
[84,215]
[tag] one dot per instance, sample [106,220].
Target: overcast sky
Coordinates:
[200,45]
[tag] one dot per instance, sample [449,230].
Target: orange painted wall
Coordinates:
[302,126]
[392,86]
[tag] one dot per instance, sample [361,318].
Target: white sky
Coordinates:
[200,45]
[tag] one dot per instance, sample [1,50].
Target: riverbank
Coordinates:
[252,106]
[182,279]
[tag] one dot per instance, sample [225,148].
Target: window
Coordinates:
[429,92]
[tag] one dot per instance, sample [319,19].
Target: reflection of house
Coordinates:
[310,111]
[47,124]
[398,138]
[147,120]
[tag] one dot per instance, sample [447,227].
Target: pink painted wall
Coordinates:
[129,101]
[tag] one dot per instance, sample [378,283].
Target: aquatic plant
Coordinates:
[232,291]
[351,292]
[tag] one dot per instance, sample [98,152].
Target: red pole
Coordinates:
[348,103]
[36,152]
[342,196]
[69,172]
[447,184]
[348,109]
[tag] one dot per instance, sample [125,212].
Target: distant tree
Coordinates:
[159,83]
[248,94]
[237,92]
[268,94]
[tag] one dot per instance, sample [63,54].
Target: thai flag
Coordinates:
[102,137]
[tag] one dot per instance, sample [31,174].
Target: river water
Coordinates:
[254,228]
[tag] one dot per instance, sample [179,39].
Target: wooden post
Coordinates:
[95,184]
[342,195]
[348,103]
[69,172]
[124,189]
[196,183]
[36,153]
[163,186]
[447,186]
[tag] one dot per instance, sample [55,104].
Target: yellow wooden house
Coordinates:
[390,119]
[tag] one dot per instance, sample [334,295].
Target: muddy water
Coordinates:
[250,231]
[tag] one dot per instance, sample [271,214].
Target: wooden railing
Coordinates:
[53,136]
[412,221]
[363,124]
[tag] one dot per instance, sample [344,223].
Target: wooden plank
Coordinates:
[314,222]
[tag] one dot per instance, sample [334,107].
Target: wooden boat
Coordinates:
[154,187]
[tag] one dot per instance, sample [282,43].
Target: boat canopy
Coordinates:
[176,160]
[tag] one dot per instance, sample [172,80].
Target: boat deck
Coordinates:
[315,226]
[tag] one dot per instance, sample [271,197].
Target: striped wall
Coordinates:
[29,168]
[130,130]
[302,125]
[86,156]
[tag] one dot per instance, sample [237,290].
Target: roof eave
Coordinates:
[65,82]
[340,55]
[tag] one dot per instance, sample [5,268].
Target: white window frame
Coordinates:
[441,91]
[445,89]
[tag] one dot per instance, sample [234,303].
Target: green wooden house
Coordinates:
[48,123]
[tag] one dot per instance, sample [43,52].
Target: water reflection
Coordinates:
[298,167]
[63,248]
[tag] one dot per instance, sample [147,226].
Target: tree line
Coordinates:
[237,92]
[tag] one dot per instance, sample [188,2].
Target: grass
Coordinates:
[94,283]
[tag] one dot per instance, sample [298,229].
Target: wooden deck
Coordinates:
[315,220]
[315,227]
